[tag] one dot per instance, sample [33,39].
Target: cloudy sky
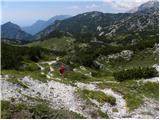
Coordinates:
[26,12]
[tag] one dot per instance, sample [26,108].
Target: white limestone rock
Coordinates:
[125,54]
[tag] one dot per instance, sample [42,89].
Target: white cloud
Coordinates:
[75,7]
[124,4]
[92,6]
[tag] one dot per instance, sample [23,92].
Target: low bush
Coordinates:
[135,73]
[13,56]
[30,66]
[150,89]
[39,111]
[97,95]
[75,76]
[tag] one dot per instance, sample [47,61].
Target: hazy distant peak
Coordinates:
[40,21]
[144,6]
[41,24]
[149,4]
[11,25]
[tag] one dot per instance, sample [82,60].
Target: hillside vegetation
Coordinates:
[111,70]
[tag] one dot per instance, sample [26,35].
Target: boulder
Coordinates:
[125,54]
[156,48]
[98,65]
[156,66]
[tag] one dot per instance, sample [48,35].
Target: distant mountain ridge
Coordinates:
[41,24]
[12,31]
[97,23]
[81,23]
[145,19]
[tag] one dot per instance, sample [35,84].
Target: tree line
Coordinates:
[12,57]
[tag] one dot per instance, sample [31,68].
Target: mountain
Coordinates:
[145,19]
[150,4]
[154,4]
[82,23]
[12,31]
[41,24]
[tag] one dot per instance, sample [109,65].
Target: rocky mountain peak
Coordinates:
[11,25]
[148,5]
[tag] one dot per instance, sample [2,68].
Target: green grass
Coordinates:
[133,101]
[80,76]
[5,105]
[29,69]
[102,114]
[133,92]
[21,74]
[140,58]
[8,109]
[97,95]
[75,76]
[5,115]
[59,44]
[150,90]
[38,111]
[30,66]
[71,77]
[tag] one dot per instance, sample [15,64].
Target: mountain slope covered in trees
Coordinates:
[107,24]
[111,68]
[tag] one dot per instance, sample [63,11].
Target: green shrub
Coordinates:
[102,114]
[133,101]
[143,44]
[31,67]
[39,111]
[5,105]
[18,107]
[101,73]
[150,90]
[75,76]
[97,95]
[13,56]
[5,114]
[135,73]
